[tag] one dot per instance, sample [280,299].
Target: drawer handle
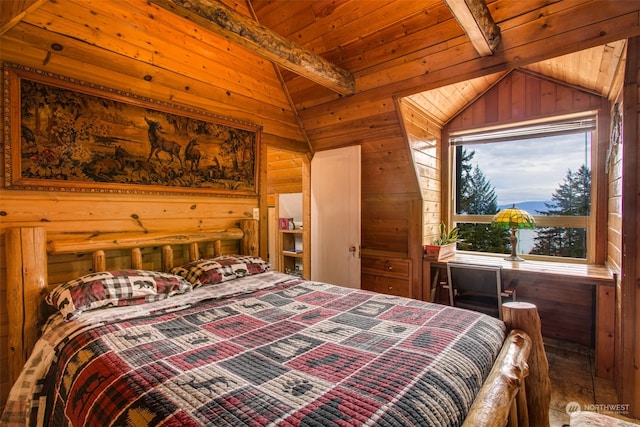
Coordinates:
[388,266]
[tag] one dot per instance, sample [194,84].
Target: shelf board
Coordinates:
[292,254]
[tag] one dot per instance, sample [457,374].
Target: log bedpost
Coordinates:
[524,316]
[99,261]
[26,284]
[166,258]
[194,252]
[136,258]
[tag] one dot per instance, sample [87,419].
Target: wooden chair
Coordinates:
[478,287]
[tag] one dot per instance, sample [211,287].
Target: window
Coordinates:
[543,168]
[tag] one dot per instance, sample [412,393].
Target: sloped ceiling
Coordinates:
[392,48]
[383,43]
[597,70]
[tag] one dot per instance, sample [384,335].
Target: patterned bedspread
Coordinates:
[297,353]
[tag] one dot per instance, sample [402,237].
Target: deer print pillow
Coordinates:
[114,288]
[220,269]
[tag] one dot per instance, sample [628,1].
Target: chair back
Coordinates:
[476,287]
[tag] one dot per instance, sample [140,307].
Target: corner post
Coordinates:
[249,245]
[26,253]
[524,316]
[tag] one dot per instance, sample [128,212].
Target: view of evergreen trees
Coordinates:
[476,196]
[571,198]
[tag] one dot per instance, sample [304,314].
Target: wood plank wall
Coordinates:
[614,239]
[390,198]
[628,372]
[524,96]
[424,137]
[243,87]
[284,173]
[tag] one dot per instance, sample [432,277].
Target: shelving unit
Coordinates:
[291,251]
[291,244]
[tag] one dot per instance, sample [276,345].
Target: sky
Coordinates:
[530,170]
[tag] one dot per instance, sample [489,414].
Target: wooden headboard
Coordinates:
[27,255]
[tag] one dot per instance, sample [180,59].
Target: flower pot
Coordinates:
[439,252]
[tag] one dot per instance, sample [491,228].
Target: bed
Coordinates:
[224,340]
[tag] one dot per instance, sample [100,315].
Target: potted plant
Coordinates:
[444,245]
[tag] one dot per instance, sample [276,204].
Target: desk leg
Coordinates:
[605,343]
[433,276]
[426,280]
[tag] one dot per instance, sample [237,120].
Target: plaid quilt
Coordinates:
[297,353]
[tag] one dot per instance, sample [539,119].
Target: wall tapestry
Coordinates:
[69,135]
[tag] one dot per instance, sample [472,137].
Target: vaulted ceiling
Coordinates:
[597,70]
[389,48]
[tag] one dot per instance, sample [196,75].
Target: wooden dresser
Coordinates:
[387,273]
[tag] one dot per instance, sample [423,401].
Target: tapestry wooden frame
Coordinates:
[64,134]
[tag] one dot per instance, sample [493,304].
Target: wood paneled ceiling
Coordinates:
[392,48]
[597,70]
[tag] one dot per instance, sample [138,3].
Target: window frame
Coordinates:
[590,223]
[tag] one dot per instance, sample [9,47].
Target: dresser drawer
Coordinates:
[386,285]
[387,266]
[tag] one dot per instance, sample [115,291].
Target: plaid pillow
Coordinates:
[220,269]
[114,288]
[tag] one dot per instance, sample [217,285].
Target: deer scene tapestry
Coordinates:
[73,136]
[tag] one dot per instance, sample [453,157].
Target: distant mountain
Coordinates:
[532,207]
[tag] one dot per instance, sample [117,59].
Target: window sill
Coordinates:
[593,274]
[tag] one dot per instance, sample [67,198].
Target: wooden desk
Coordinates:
[576,302]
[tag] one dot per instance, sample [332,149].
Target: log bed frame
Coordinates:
[505,398]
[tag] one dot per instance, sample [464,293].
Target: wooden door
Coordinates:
[335,216]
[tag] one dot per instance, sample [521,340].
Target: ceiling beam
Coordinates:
[475,19]
[15,15]
[238,28]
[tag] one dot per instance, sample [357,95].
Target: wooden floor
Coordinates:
[572,372]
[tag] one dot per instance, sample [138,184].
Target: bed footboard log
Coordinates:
[493,405]
[26,286]
[524,316]
[522,411]
[117,241]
